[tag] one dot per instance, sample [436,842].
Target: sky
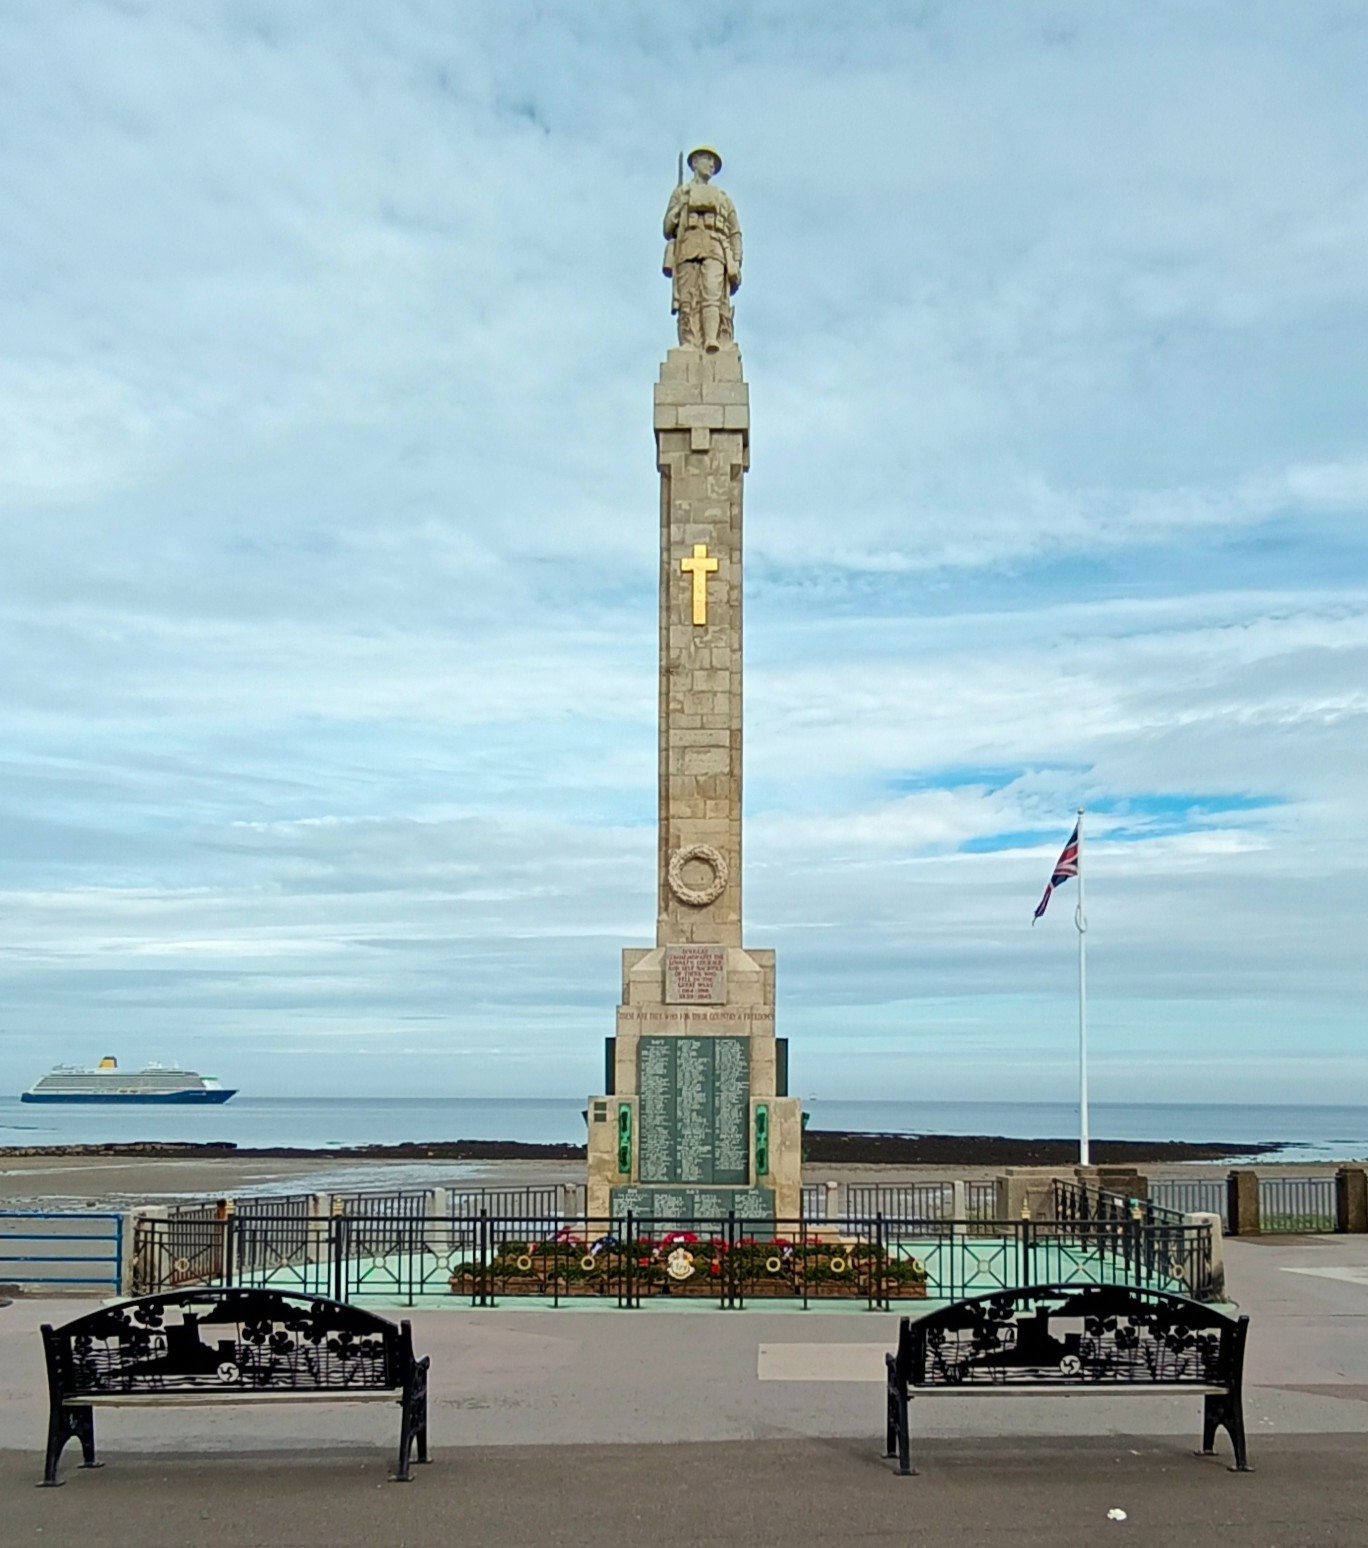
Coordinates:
[328,524]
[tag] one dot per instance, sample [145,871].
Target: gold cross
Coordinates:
[700,567]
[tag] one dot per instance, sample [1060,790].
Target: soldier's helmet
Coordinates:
[703,150]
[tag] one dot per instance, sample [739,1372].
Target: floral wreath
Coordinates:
[698,897]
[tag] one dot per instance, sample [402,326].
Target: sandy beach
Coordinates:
[117,1176]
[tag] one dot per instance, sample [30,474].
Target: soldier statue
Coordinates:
[703,254]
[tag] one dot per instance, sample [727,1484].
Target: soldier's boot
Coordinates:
[712,321]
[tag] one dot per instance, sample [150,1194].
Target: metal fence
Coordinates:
[486,1258]
[539,1209]
[1291,1204]
[1193,1195]
[67,1253]
[900,1201]
[980,1199]
[404,1204]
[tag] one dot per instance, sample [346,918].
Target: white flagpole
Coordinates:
[1081,921]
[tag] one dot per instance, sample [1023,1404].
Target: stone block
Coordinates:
[700,438]
[708,830]
[736,418]
[685,365]
[705,760]
[1026,1193]
[724,392]
[686,392]
[1122,1180]
[724,366]
[710,415]
[666,417]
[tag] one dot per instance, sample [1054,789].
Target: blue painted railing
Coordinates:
[65,1253]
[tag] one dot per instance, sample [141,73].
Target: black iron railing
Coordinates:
[732,1262]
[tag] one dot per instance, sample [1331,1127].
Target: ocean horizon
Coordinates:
[1301,1132]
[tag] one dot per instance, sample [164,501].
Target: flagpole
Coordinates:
[1081,921]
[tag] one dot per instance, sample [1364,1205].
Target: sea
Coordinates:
[1312,1134]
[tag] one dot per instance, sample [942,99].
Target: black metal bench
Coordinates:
[1073,1341]
[195,1347]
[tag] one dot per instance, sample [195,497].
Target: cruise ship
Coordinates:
[108,1083]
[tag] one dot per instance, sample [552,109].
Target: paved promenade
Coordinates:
[555,1427]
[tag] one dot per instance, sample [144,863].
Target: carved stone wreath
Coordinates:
[697,897]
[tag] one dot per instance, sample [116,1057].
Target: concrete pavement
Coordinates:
[1307,1493]
[601,1425]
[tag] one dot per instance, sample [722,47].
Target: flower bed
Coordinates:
[684,1264]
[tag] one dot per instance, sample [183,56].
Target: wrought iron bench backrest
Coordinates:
[1093,1335]
[223,1341]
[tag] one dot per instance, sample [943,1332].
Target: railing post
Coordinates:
[334,1239]
[629,1248]
[1243,1210]
[1207,1272]
[123,1241]
[1351,1199]
[230,1241]
[152,1262]
[729,1278]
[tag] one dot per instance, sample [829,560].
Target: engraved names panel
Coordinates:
[681,1206]
[695,975]
[694,1110]
[656,1109]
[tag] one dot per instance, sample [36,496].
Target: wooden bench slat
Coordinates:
[1065,1389]
[204,1399]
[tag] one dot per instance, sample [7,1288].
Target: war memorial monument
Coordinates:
[696,1120]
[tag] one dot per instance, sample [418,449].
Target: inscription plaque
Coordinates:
[694,1110]
[695,975]
[682,1205]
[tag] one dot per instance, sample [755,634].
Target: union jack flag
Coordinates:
[1065,867]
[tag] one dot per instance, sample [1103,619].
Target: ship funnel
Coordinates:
[109,1062]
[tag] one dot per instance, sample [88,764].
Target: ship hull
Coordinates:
[121,1098]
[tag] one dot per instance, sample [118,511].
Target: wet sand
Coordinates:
[117,1176]
[823,1145]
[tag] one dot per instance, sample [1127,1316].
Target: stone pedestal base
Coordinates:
[698,1119]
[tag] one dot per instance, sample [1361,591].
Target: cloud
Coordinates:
[328,542]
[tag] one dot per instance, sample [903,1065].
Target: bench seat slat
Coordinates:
[1068,1389]
[203,1399]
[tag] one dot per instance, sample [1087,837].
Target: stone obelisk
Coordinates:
[697,1121]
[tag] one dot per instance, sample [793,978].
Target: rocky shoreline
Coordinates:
[832,1146]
